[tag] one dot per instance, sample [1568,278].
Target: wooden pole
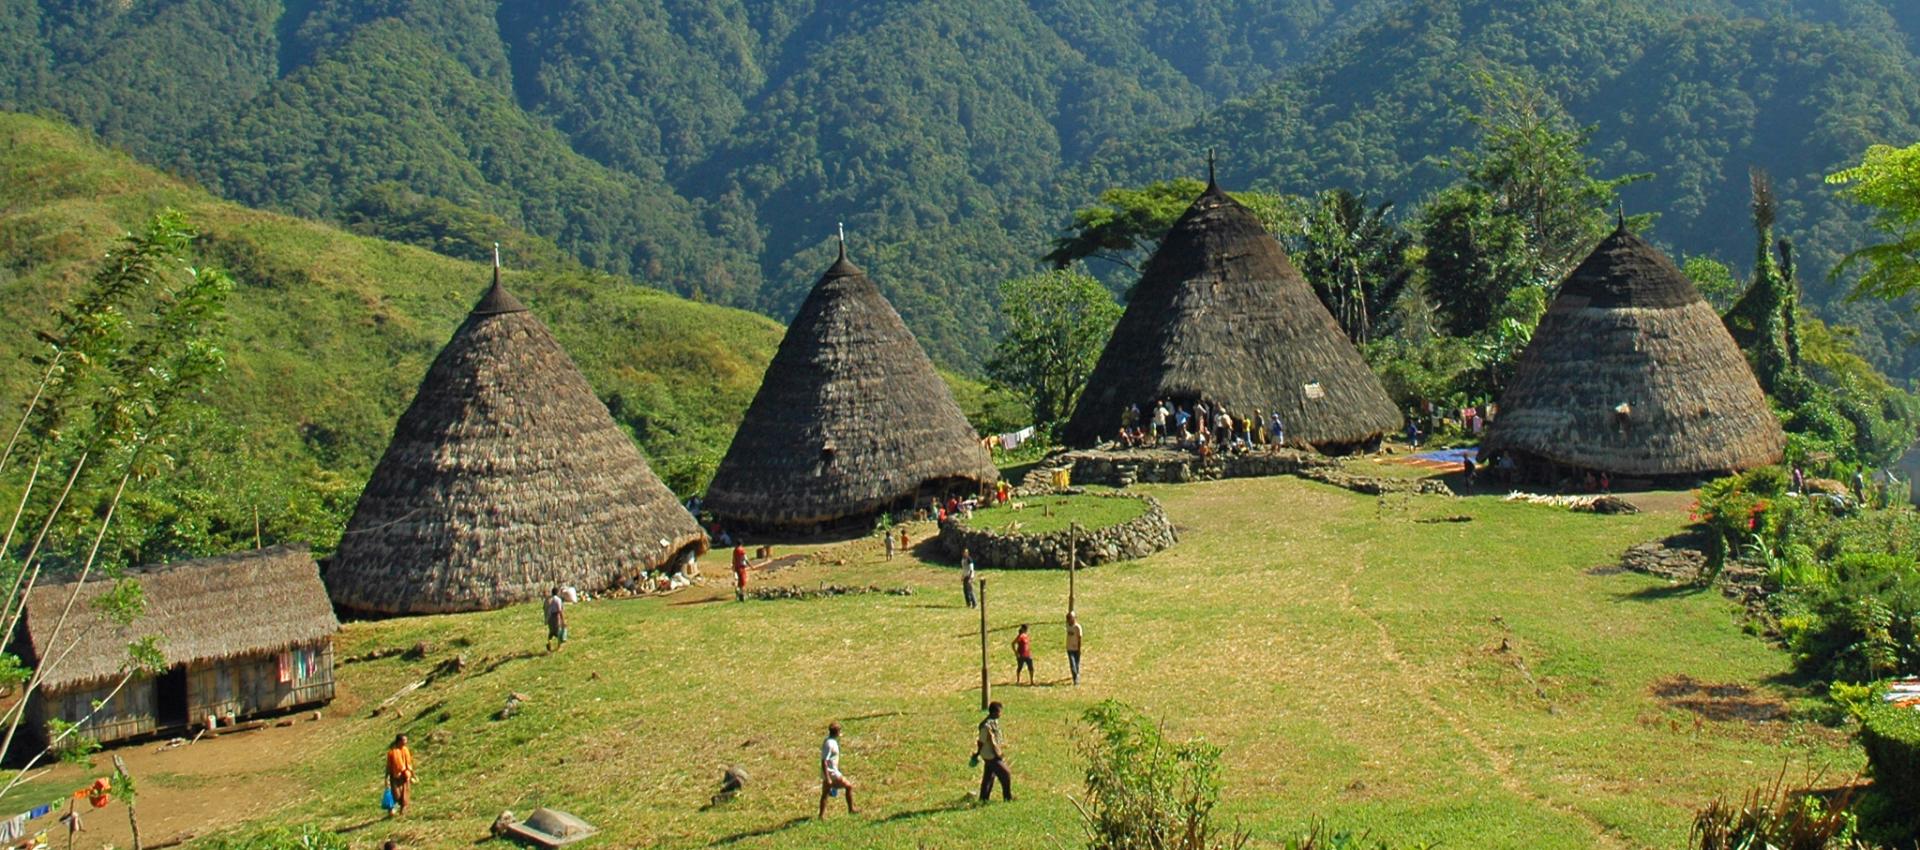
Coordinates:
[133,823]
[986,685]
[1073,560]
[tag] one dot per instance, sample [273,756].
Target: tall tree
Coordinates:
[1887,180]
[1354,257]
[1057,323]
[1475,258]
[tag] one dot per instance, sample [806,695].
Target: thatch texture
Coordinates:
[213,609]
[505,477]
[850,419]
[1221,314]
[1632,373]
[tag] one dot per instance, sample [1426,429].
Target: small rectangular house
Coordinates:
[242,635]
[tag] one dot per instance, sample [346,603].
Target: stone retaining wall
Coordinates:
[1139,537]
[1163,466]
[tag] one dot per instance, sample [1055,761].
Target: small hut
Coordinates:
[241,636]
[1220,314]
[1631,373]
[505,477]
[850,420]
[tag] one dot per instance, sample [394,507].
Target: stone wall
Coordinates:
[1139,537]
[1164,466]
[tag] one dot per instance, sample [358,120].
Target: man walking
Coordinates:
[1023,655]
[832,781]
[1073,646]
[966,576]
[556,621]
[991,751]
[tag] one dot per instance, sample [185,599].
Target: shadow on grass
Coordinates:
[959,805]
[705,601]
[349,830]
[522,655]
[1662,593]
[761,832]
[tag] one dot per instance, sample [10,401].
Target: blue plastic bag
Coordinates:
[386,800]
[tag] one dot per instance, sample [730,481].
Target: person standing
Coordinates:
[903,540]
[832,781]
[740,571]
[556,621]
[886,536]
[966,576]
[1023,655]
[991,750]
[1073,646]
[400,774]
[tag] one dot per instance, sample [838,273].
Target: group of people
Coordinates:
[1204,426]
[1023,650]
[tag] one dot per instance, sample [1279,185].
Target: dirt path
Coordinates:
[190,790]
[1497,761]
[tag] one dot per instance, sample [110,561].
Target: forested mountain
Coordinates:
[705,145]
[1692,92]
[329,334]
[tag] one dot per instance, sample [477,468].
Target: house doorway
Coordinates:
[170,698]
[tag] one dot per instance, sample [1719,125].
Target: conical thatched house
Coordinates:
[1221,314]
[1632,373]
[505,477]
[850,420]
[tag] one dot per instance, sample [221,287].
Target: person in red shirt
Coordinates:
[1023,655]
[740,572]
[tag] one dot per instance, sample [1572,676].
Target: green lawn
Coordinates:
[1346,655]
[1043,514]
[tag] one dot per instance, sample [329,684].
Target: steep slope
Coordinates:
[331,333]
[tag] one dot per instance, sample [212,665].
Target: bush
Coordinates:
[1144,791]
[1891,736]
[1865,624]
[1774,816]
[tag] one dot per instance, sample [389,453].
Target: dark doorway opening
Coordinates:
[170,698]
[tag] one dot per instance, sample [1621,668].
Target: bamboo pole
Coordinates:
[986,685]
[133,822]
[1073,560]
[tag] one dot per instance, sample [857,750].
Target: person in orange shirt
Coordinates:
[400,773]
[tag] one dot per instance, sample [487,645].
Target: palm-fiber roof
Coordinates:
[1631,372]
[850,418]
[1221,313]
[505,477]
[200,611]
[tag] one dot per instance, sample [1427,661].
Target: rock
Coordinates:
[420,650]
[316,717]
[1611,505]
[500,824]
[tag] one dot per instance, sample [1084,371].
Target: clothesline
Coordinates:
[14,829]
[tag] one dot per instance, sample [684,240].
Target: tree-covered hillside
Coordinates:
[705,146]
[330,333]
[1692,92]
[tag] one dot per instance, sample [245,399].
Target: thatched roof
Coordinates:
[505,477]
[211,609]
[850,419]
[1628,329]
[1220,313]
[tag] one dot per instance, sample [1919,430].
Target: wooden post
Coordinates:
[133,822]
[986,686]
[1073,560]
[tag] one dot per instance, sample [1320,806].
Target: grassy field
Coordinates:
[1475,683]
[1043,514]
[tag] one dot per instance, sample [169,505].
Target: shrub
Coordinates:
[1774,816]
[1144,791]
[1891,736]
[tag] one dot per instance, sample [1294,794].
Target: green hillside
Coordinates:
[331,332]
[711,146]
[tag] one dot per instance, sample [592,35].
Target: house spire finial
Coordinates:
[843,239]
[496,264]
[1211,183]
